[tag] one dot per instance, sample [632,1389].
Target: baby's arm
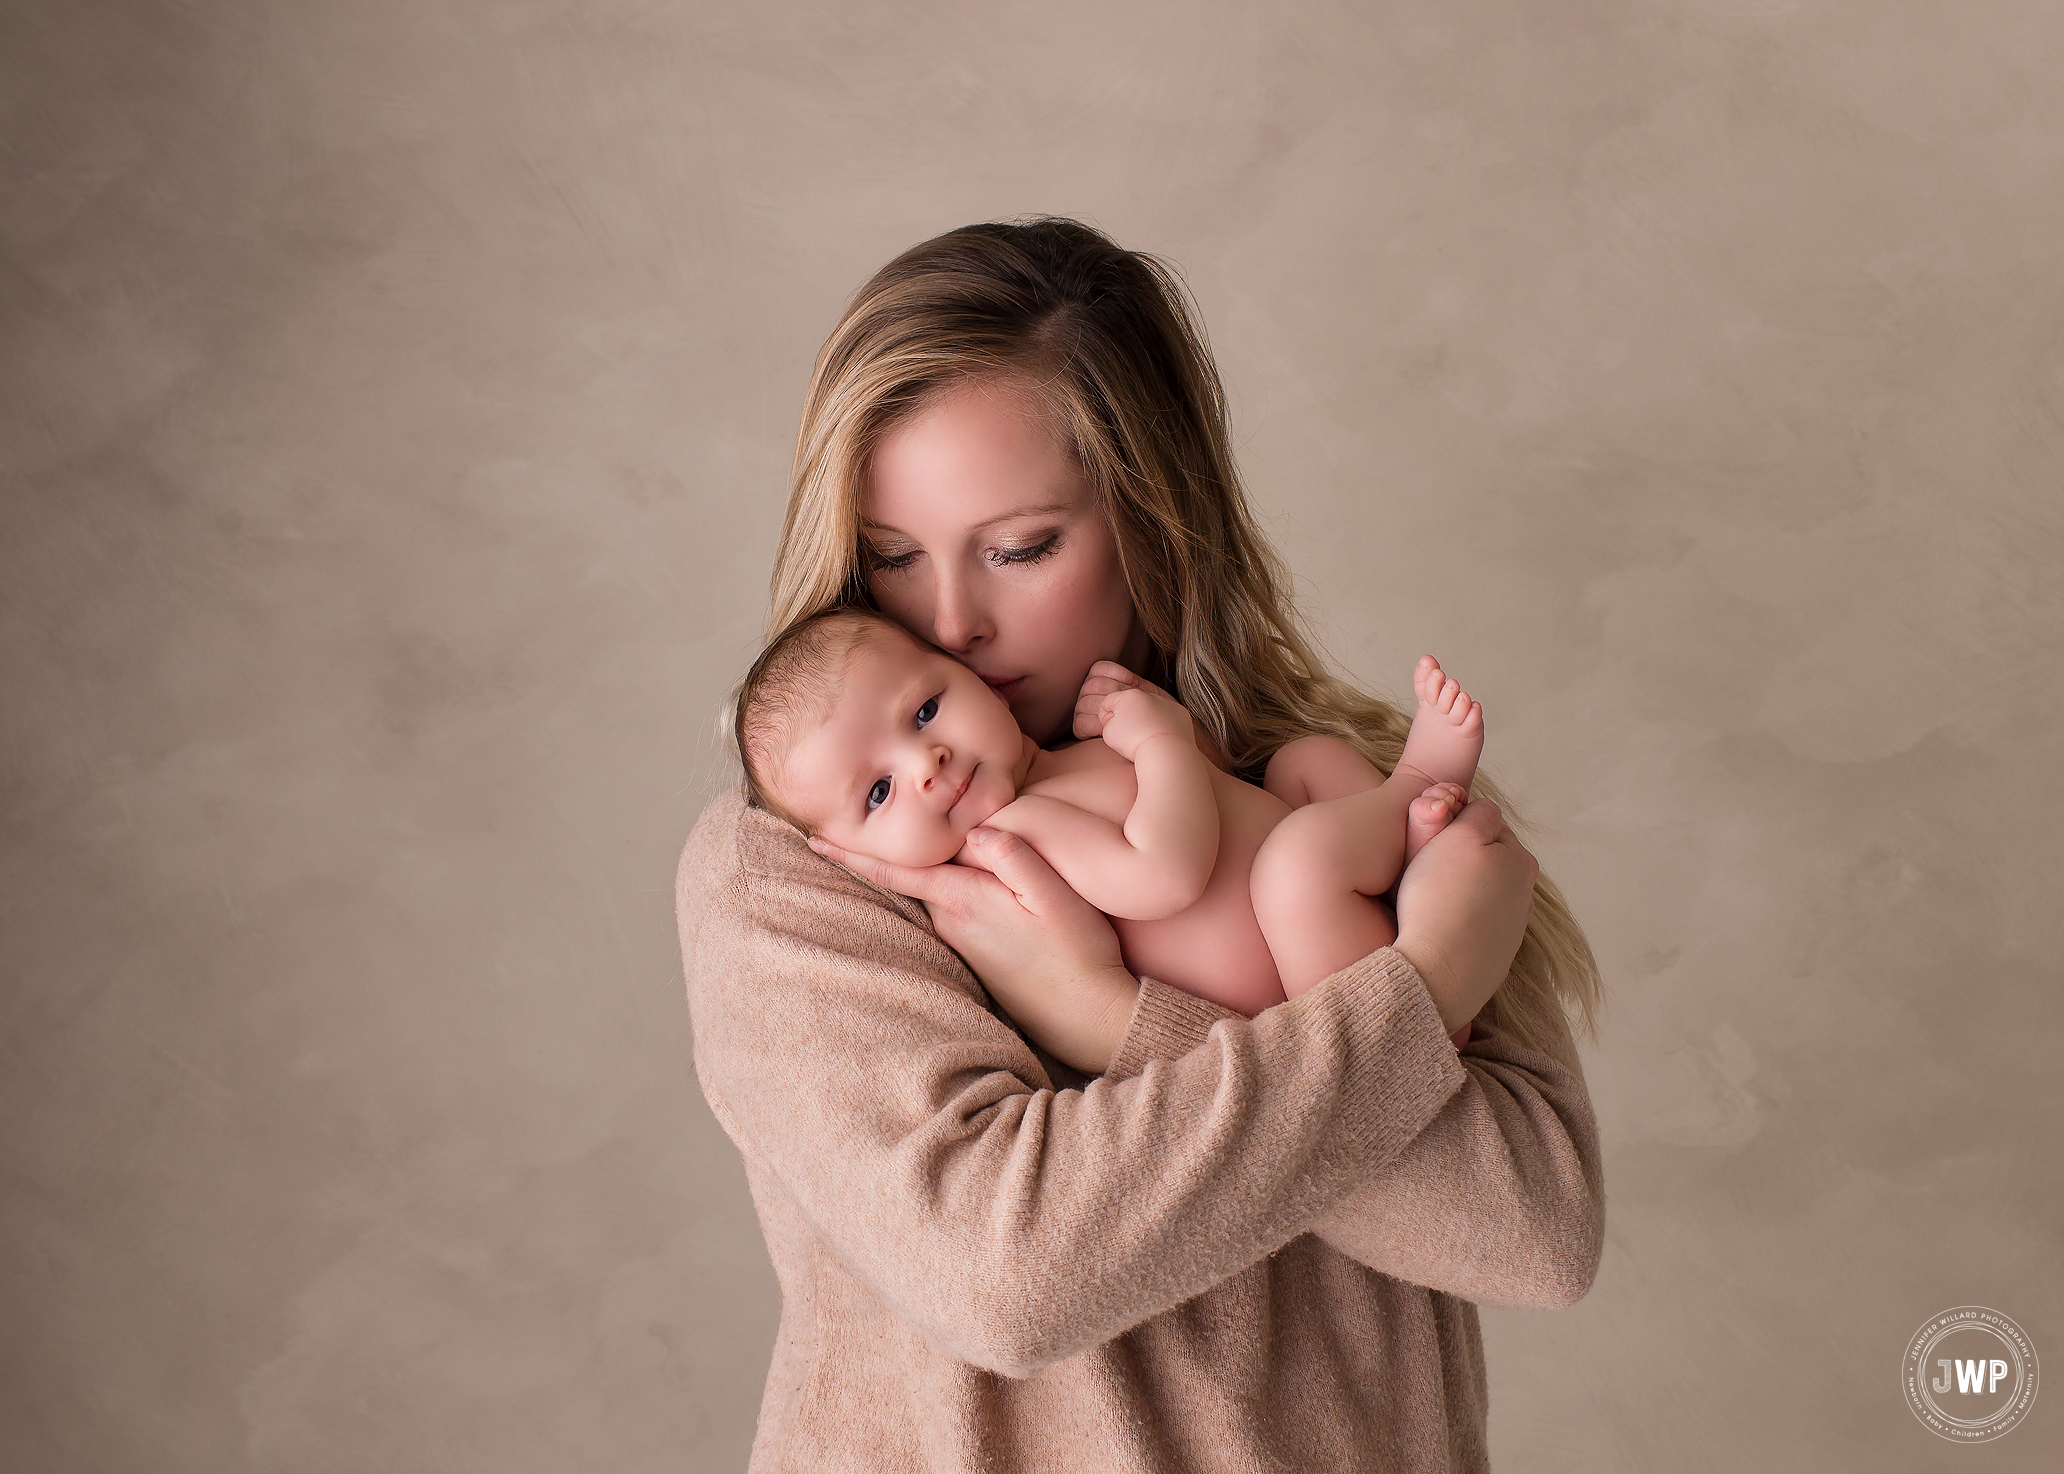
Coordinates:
[1160,862]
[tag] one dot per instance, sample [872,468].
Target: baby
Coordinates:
[857,732]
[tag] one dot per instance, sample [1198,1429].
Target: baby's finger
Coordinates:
[1099,686]
[1116,674]
[1093,706]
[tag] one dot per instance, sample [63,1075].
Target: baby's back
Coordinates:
[1214,949]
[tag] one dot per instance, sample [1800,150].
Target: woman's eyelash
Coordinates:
[879,561]
[1034,554]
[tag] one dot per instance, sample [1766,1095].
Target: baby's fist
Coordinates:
[1129,716]
[1106,678]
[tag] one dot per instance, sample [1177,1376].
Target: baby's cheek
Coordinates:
[834,834]
[935,844]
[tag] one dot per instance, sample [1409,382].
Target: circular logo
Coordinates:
[1970,1374]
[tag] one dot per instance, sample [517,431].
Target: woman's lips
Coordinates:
[1006,689]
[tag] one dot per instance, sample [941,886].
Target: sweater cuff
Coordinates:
[1166,1023]
[1388,1016]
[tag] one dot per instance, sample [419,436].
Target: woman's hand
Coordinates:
[1048,956]
[1462,908]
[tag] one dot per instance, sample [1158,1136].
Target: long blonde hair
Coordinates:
[1109,341]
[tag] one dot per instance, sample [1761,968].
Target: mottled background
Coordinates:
[395,404]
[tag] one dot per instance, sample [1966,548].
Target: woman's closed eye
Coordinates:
[877,795]
[1036,553]
[878,561]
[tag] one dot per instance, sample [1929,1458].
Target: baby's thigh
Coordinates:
[1315,887]
[1315,768]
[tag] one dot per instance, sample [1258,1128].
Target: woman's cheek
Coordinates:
[897,601]
[1051,611]
[1099,607]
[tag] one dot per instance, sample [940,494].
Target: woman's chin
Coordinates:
[1043,726]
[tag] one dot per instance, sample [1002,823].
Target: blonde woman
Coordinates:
[1028,1211]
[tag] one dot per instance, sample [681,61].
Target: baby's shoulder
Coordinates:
[1088,775]
[1092,755]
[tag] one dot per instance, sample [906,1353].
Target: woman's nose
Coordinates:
[958,621]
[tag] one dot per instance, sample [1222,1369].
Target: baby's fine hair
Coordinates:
[792,683]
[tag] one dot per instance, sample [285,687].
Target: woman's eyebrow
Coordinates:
[1039,510]
[1043,510]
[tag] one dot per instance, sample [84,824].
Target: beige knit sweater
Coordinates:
[1250,1245]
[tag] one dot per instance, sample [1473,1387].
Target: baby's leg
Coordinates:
[1318,874]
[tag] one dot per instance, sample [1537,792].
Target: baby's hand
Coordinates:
[1105,678]
[1125,711]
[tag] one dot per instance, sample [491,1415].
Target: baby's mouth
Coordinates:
[960,792]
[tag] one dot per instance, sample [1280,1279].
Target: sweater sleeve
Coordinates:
[1010,1224]
[1499,1200]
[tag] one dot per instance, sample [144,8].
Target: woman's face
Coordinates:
[983,536]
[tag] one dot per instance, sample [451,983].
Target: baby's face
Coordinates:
[915,751]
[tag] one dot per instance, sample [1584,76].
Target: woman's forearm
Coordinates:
[1499,1200]
[1078,1019]
[1459,996]
[1014,1224]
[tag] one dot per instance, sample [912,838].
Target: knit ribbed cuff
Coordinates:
[1166,1023]
[1386,1019]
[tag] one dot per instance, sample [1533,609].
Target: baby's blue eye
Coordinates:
[929,710]
[877,795]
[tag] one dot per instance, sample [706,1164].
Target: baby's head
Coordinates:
[853,729]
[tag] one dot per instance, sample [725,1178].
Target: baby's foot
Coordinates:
[1447,731]
[1430,813]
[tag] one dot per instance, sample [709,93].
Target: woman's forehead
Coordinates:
[981,455]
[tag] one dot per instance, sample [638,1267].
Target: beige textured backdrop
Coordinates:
[395,410]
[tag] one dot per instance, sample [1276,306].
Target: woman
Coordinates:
[1246,1244]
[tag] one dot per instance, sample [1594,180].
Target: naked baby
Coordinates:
[862,735]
